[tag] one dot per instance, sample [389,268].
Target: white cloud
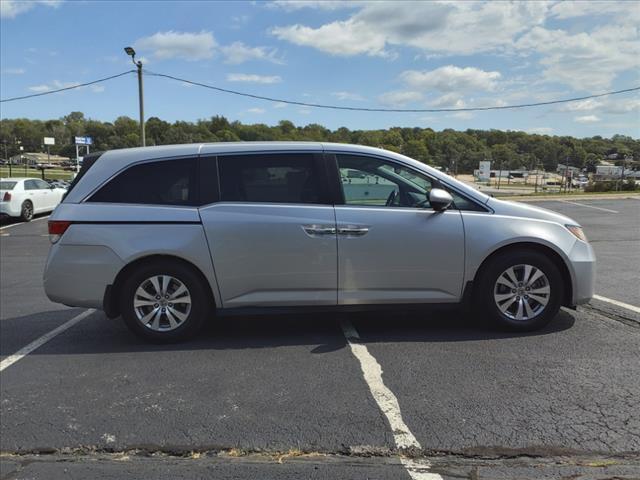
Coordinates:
[449,28]
[13,8]
[588,57]
[345,39]
[449,100]
[280,105]
[238,53]
[540,130]
[399,98]
[462,115]
[251,78]
[13,71]
[587,119]
[57,85]
[622,106]
[291,5]
[256,110]
[451,79]
[582,106]
[40,88]
[182,45]
[585,61]
[565,10]
[348,96]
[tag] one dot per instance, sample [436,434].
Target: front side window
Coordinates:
[271,178]
[370,181]
[168,182]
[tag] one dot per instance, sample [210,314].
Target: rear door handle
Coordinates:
[353,230]
[317,230]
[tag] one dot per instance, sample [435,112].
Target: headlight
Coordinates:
[577,232]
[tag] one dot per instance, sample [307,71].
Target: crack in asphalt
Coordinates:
[360,451]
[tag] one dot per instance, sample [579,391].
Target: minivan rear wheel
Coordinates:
[164,302]
[520,290]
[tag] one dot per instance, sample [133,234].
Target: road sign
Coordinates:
[83,141]
[484,173]
[49,141]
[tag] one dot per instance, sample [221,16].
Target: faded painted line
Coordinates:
[26,350]
[23,223]
[388,404]
[589,206]
[618,303]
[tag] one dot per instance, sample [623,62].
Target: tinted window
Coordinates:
[374,182]
[169,182]
[463,203]
[7,185]
[30,185]
[42,184]
[275,178]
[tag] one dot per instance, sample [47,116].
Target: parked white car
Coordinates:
[26,197]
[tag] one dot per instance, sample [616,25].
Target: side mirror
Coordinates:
[440,199]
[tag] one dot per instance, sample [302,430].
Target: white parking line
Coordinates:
[22,223]
[633,308]
[26,350]
[590,206]
[388,404]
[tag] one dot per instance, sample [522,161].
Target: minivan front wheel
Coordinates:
[164,302]
[520,290]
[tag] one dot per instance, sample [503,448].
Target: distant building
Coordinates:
[36,158]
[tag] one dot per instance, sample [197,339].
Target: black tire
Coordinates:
[201,303]
[486,285]
[26,211]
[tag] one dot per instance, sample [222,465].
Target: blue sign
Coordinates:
[84,141]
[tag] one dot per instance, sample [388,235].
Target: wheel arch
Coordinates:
[112,292]
[536,247]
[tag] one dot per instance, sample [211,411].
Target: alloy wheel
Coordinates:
[522,292]
[162,303]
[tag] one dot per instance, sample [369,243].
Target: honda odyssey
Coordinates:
[168,237]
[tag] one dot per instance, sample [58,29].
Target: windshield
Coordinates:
[7,185]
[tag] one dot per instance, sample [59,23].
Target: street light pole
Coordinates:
[132,53]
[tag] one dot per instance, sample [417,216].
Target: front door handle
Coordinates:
[353,230]
[317,230]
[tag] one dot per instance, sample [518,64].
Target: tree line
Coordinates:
[457,151]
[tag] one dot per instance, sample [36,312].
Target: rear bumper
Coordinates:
[6,210]
[583,263]
[77,275]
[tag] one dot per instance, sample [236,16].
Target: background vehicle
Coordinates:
[165,236]
[26,197]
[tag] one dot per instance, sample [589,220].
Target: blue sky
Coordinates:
[368,54]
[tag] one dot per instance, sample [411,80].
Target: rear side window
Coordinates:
[168,182]
[30,185]
[272,178]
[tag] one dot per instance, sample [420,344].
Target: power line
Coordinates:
[397,110]
[327,106]
[66,88]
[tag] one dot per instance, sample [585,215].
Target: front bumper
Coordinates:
[583,264]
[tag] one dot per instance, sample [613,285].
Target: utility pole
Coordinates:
[132,53]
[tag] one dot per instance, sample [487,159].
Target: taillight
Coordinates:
[6,197]
[57,228]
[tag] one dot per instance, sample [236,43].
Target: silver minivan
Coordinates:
[169,237]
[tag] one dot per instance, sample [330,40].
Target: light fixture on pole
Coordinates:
[132,53]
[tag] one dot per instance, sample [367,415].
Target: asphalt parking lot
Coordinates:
[291,397]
